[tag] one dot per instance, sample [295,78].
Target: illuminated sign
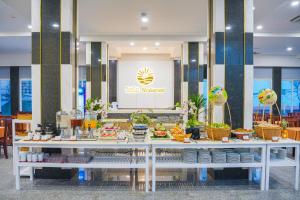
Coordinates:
[144,77]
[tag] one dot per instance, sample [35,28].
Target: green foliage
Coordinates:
[219,125]
[177,105]
[284,124]
[139,118]
[193,122]
[198,100]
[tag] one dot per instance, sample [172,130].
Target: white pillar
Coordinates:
[36,68]
[249,71]
[218,70]
[185,85]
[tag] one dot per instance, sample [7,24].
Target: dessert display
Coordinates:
[217,131]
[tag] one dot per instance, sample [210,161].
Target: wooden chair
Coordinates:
[3,137]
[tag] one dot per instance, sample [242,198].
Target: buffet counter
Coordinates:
[263,150]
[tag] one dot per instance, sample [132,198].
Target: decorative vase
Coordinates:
[195,131]
[284,134]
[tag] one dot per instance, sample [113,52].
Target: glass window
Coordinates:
[81,95]
[205,89]
[296,96]
[5,100]
[260,84]
[286,96]
[25,96]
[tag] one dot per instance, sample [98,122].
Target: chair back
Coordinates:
[3,123]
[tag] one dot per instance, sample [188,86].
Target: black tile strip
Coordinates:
[276,83]
[177,81]
[96,70]
[66,40]
[35,48]
[14,89]
[193,68]
[113,71]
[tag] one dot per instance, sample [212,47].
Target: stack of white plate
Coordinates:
[204,156]
[219,157]
[189,156]
[247,157]
[281,154]
[233,157]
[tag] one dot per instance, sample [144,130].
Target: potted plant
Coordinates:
[284,132]
[96,106]
[177,106]
[195,106]
[140,119]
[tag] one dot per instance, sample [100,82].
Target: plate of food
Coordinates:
[241,132]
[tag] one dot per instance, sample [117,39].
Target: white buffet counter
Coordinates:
[263,147]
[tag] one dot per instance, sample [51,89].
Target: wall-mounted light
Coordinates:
[99,60]
[289,48]
[145,48]
[157,44]
[132,44]
[193,60]
[29,26]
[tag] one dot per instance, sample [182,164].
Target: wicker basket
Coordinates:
[218,133]
[268,132]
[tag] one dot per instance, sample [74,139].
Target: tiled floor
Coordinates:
[281,189]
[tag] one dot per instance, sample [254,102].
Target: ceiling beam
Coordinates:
[292,35]
[90,38]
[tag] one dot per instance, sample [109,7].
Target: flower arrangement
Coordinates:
[192,108]
[97,106]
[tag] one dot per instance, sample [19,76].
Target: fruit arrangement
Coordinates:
[179,134]
[217,95]
[267,97]
[160,130]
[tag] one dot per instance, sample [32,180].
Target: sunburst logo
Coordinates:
[145,76]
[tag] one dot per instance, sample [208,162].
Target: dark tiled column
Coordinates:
[177,81]
[113,71]
[96,71]
[234,61]
[193,74]
[50,60]
[14,90]
[276,83]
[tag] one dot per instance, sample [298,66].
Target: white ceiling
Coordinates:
[117,48]
[120,17]
[275,16]
[168,19]
[14,16]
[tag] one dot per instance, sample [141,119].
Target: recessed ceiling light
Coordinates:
[144,18]
[295,3]
[253,7]
[131,43]
[29,26]
[145,48]
[157,44]
[228,27]
[289,48]
[55,25]
[259,27]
